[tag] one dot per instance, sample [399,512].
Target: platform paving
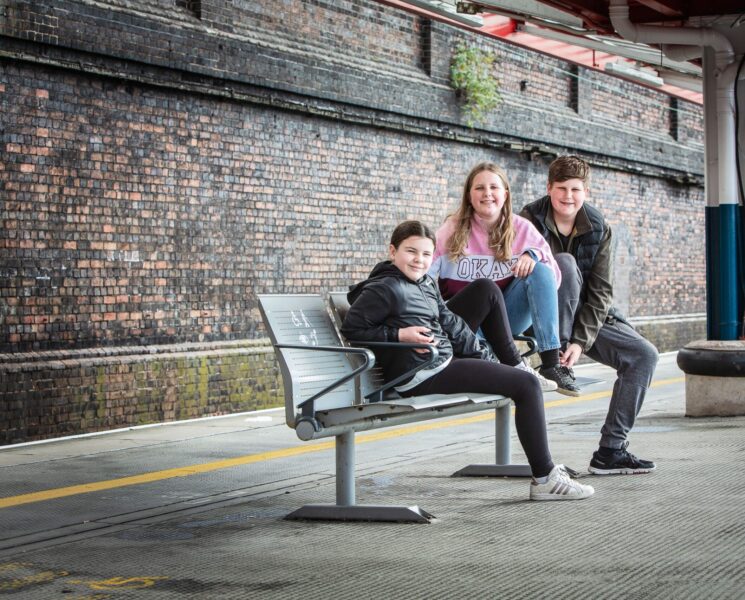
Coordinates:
[208,521]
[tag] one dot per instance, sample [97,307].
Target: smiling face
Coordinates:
[413,257]
[567,198]
[487,195]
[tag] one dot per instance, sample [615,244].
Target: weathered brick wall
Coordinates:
[670,333]
[644,109]
[55,393]
[160,168]
[353,52]
[149,216]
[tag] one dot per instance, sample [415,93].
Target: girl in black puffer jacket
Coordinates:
[399,302]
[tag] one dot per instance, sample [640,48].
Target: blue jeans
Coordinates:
[533,300]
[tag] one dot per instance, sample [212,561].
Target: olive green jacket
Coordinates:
[596,297]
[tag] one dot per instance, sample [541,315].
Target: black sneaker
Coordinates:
[564,378]
[621,462]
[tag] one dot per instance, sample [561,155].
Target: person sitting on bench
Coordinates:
[399,302]
[483,239]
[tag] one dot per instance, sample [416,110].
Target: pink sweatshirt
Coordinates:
[479,261]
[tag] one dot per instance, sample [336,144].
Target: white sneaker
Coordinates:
[559,486]
[546,384]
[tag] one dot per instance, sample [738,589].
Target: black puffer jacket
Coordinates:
[389,301]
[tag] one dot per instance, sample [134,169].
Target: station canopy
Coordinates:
[581,31]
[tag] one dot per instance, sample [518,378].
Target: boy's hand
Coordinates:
[571,355]
[416,334]
[524,266]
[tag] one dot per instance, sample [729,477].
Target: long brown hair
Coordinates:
[500,235]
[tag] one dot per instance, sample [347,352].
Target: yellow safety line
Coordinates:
[97,486]
[273,454]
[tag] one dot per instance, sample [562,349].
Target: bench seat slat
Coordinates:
[357,414]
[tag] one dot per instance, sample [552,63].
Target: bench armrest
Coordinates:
[377,395]
[368,361]
[532,344]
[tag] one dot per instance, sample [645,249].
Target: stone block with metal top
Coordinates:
[715,377]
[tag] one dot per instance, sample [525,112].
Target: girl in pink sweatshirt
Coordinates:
[483,240]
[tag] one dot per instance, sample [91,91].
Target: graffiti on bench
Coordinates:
[300,320]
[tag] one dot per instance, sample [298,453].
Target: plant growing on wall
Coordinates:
[472,76]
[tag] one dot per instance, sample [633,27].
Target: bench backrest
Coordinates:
[339,307]
[305,320]
[372,379]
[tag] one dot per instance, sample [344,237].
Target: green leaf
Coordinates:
[472,74]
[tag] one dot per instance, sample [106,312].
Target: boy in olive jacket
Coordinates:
[580,240]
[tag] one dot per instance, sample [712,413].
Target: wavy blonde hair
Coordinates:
[500,235]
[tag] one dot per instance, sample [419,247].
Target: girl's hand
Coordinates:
[416,334]
[524,266]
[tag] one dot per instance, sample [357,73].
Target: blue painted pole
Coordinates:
[711,219]
[723,281]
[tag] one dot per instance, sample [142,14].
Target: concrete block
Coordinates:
[715,377]
[708,396]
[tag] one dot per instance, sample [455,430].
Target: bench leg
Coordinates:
[345,508]
[502,467]
[345,462]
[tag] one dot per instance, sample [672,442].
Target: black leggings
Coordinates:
[481,305]
[482,376]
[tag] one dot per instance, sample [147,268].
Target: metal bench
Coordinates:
[334,389]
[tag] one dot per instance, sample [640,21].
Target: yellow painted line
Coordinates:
[98,486]
[662,382]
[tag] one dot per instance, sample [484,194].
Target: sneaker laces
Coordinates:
[567,371]
[562,474]
[624,452]
[567,476]
[565,376]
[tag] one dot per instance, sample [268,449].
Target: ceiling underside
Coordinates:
[594,13]
[581,31]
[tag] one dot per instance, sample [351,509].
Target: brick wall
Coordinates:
[138,214]
[55,393]
[161,169]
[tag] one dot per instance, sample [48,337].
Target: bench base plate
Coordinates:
[494,471]
[361,512]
